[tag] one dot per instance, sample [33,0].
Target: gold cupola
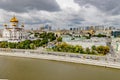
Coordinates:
[14,19]
[5,25]
[22,25]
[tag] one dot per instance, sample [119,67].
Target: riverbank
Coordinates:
[63,57]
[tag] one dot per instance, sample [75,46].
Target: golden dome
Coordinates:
[14,19]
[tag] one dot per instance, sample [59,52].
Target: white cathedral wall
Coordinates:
[6,33]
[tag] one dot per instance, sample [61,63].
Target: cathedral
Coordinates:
[14,32]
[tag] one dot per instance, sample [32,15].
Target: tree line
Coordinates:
[95,50]
[43,39]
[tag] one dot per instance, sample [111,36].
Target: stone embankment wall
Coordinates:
[67,57]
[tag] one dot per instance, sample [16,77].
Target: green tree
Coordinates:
[32,46]
[102,49]
[100,35]
[4,44]
[78,49]
[93,47]
[36,34]
[37,42]
[12,45]
[59,39]
[88,51]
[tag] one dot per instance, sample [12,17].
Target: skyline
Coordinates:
[61,13]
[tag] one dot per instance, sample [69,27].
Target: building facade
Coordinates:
[115,33]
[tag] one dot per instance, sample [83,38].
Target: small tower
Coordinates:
[5,25]
[22,25]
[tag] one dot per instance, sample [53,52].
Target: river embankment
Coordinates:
[103,61]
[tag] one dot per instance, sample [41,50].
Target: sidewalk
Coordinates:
[63,58]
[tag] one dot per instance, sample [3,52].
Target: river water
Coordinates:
[13,68]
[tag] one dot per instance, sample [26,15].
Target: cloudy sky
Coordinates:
[61,13]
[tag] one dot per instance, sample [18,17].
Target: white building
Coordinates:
[116,44]
[88,43]
[13,33]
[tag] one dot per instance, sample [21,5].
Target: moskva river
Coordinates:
[14,68]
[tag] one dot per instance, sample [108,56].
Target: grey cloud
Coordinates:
[77,20]
[26,5]
[108,6]
[38,22]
